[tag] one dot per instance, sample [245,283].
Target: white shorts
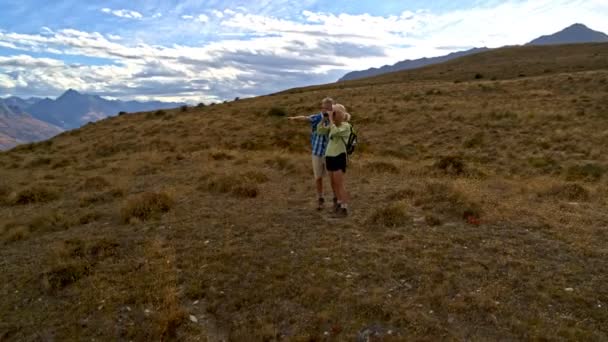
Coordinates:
[318,166]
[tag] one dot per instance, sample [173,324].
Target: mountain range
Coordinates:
[16,126]
[34,119]
[577,33]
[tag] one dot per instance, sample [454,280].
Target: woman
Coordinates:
[338,131]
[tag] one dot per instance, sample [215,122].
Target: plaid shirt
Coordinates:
[318,141]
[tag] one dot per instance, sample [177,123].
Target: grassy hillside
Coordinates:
[478,213]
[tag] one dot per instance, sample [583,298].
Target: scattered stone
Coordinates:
[195,302]
[419,219]
[193,319]
[569,289]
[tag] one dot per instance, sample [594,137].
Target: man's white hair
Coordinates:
[328,100]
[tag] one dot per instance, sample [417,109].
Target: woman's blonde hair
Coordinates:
[340,108]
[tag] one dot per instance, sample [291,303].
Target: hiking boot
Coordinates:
[336,205]
[341,212]
[320,203]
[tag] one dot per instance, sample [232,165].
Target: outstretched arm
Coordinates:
[298,118]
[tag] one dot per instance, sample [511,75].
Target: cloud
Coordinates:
[123,13]
[245,53]
[201,18]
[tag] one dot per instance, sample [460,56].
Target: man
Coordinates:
[319,145]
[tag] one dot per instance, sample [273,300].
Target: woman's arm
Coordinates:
[342,131]
[324,127]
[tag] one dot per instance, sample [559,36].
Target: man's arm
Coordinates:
[299,118]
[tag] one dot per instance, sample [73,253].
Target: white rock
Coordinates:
[569,289]
[193,319]
[195,302]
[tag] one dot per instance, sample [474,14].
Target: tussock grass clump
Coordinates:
[402,194]
[569,192]
[65,273]
[443,199]
[89,217]
[16,233]
[474,141]
[50,221]
[39,161]
[381,167]
[256,176]
[37,193]
[453,165]
[277,111]
[587,172]
[392,215]
[101,197]
[146,206]
[95,183]
[5,191]
[221,156]
[280,163]
[235,185]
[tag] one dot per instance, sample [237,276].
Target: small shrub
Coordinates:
[37,193]
[50,221]
[62,163]
[570,192]
[89,217]
[443,199]
[393,215]
[201,105]
[545,164]
[478,76]
[238,186]
[277,111]
[451,165]
[280,163]
[221,156]
[256,176]
[40,161]
[16,233]
[5,191]
[121,113]
[589,172]
[95,183]
[64,274]
[401,195]
[475,141]
[184,108]
[146,206]
[101,197]
[382,167]
[237,98]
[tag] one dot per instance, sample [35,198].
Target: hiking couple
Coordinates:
[330,132]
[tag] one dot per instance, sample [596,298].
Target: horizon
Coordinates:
[187,52]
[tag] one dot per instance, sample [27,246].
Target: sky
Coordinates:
[206,51]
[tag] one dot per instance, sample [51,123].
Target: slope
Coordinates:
[181,225]
[18,127]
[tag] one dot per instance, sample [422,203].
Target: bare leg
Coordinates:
[319,184]
[340,187]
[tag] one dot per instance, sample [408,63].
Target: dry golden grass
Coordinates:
[478,213]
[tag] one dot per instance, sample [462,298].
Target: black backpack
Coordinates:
[351,144]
